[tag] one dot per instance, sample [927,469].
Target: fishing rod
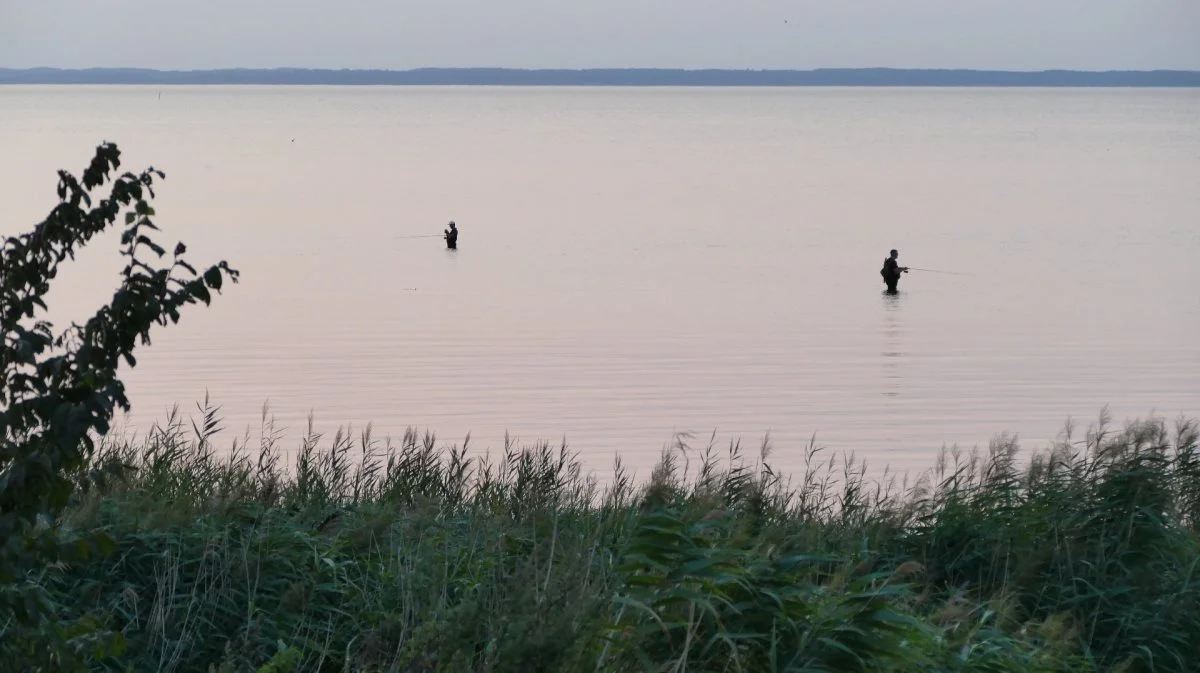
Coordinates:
[952,273]
[423,236]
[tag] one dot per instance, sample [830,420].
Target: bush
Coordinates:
[61,390]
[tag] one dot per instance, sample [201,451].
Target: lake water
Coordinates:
[639,262]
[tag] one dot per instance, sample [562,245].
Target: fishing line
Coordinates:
[952,273]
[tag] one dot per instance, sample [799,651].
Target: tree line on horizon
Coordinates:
[610,77]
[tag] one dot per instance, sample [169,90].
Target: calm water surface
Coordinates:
[639,262]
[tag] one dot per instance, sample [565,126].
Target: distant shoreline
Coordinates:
[834,77]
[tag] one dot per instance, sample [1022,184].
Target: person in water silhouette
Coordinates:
[452,237]
[891,272]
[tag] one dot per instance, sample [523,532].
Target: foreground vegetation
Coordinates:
[365,556]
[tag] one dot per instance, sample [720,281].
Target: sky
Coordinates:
[799,34]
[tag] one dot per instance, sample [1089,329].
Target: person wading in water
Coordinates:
[891,272]
[452,237]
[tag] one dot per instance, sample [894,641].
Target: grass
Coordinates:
[361,555]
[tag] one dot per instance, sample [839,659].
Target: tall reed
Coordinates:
[364,555]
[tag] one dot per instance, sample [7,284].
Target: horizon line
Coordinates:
[637,77]
[593,68]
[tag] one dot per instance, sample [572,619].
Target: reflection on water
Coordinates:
[893,331]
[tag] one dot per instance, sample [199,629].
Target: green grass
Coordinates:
[359,555]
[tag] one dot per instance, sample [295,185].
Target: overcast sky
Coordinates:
[399,34]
